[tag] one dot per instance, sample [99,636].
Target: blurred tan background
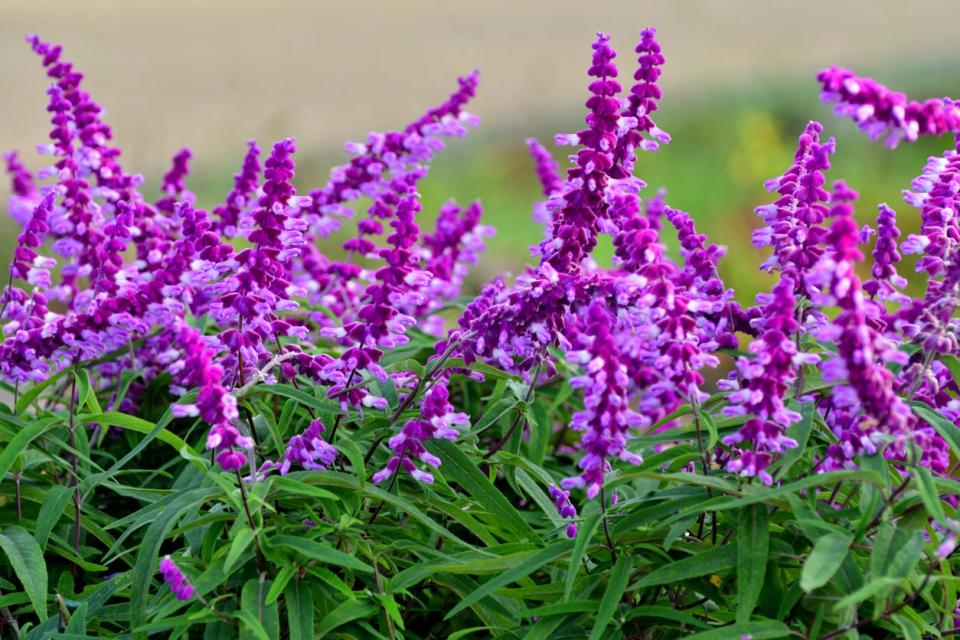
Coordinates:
[738,82]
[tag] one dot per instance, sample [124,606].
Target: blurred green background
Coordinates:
[739,87]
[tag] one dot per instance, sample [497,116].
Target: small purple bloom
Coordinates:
[175,579]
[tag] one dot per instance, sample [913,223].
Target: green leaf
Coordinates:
[26,558]
[55,501]
[665,613]
[320,552]
[880,556]
[707,562]
[299,601]
[584,534]
[283,578]
[252,628]
[522,569]
[268,616]
[865,592]
[124,421]
[800,432]
[147,560]
[828,553]
[20,442]
[953,363]
[456,466]
[86,394]
[91,481]
[907,557]
[347,612]
[754,630]
[947,430]
[289,485]
[349,448]
[612,595]
[929,494]
[241,540]
[753,545]
[26,399]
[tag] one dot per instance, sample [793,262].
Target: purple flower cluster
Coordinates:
[437,420]
[794,222]
[245,185]
[214,404]
[606,418]
[761,383]
[565,508]
[881,112]
[309,450]
[175,579]
[861,350]
[138,277]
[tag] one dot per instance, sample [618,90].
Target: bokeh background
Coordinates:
[739,86]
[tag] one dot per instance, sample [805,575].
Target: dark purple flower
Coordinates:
[878,412]
[639,131]
[174,187]
[886,281]
[214,404]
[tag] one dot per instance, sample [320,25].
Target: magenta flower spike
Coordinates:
[175,579]
[882,113]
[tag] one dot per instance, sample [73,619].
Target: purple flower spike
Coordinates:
[639,131]
[879,112]
[886,281]
[861,350]
[565,508]
[438,420]
[548,171]
[245,185]
[174,187]
[764,380]
[214,404]
[794,221]
[176,579]
[309,450]
[606,418]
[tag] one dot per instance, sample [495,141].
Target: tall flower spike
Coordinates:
[606,418]
[794,221]
[764,380]
[861,351]
[639,131]
[565,508]
[580,211]
[174,186]
[879,112]
[241,196]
